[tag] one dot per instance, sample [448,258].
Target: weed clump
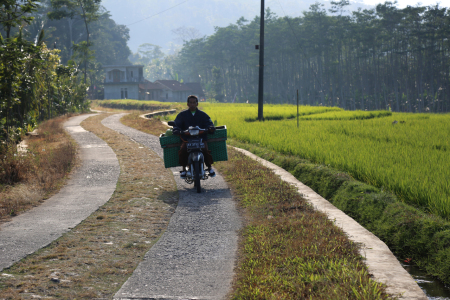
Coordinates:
[27,176]
[13,166]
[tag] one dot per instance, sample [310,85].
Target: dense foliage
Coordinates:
[84,32]
[380,58]
[50,52]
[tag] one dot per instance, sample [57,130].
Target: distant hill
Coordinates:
[201,14]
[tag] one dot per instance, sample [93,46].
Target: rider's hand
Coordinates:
[176,131]
[211,129]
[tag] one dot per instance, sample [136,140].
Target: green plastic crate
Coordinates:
[165,141]
[216,143]
[171,157]
[218,150]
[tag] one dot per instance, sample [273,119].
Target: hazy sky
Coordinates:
[153,21]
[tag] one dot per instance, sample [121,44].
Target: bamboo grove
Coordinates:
[381,58]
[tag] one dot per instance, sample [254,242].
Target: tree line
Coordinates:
[381,58]
[51,53]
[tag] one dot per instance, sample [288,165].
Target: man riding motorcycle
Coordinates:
[194,117]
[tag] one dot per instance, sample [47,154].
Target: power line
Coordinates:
[289,22]
[158,13]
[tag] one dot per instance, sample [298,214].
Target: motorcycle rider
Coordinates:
[194,117]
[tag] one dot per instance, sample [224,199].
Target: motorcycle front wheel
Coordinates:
[197,172]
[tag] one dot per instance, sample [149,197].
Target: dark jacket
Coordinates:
[185,119]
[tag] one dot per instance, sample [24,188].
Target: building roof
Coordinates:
[174,85]
[122,66]
[196,88]
[148,85]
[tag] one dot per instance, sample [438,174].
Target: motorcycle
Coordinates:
[194,145]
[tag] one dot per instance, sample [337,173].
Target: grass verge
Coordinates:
[289,250]
[29,177]
[419,238]
[97,256]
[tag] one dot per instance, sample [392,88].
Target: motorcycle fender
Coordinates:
[197,156]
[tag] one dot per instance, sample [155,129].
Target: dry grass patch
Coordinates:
[96,105]
[289,250]
[97,257]
[27,178]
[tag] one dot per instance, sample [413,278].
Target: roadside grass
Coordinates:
[287,249]
[412,235]
[28,177]
[94,259]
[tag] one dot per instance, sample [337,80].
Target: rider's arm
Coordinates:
[205,121]
[178,124]
[209,124]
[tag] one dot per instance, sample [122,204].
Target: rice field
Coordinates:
[405,153]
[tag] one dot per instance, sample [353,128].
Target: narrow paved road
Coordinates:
[195,257]
[91,185]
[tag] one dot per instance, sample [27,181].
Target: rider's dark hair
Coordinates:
[192,97]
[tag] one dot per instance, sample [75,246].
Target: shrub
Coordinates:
[13,166]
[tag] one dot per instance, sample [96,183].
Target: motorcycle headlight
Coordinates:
[194,131]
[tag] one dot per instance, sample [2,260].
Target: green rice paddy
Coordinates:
[405,153]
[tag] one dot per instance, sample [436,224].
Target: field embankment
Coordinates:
[389,171]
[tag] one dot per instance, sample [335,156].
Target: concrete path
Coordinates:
[382,264]
[91,185]
[195,257]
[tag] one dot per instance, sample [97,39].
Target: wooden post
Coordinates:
[297,108]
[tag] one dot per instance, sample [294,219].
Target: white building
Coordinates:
[122,81]
[127,82]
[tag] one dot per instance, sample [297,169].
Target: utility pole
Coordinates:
[261,66]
